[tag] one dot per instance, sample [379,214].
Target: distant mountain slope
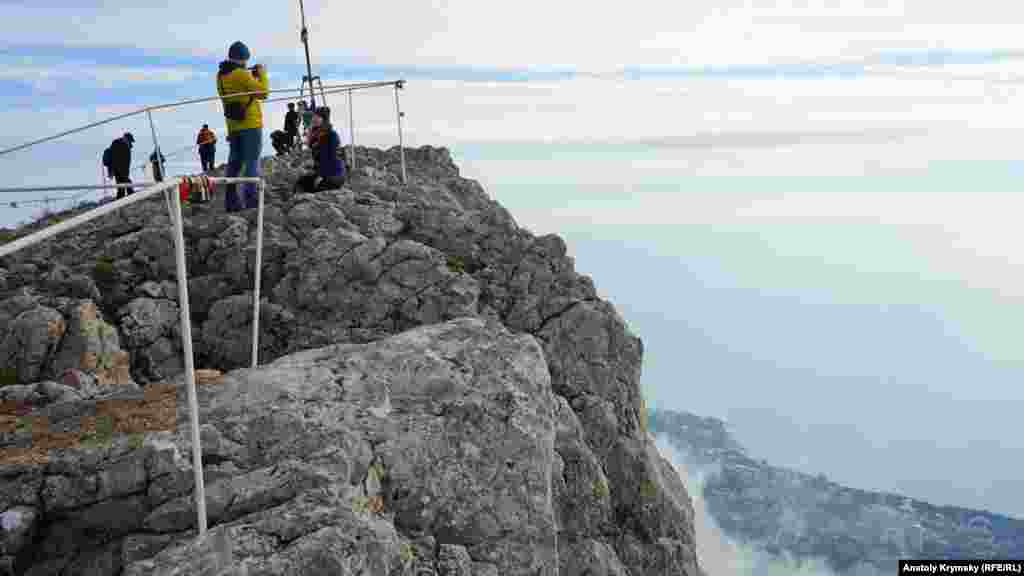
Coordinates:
[781,511]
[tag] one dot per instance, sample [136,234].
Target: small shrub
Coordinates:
[406,552]
[647,489]
[8,375]
[105,426]
[136,440]
[600,488]
[104,360]
[7,236]
[643,415]
[360,504]
[456,264]
[103,271]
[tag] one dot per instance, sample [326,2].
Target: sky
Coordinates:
[820,197]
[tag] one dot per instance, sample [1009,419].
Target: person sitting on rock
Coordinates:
[281,142]
[329,173]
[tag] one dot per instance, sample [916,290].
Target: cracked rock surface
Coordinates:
[439,393]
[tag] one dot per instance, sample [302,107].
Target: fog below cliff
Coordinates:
[720,555]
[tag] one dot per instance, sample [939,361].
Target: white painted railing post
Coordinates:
[156,145]
[259,274]
[351,134]
[398,111]
[190,369]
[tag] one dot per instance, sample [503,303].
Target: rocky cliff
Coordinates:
[783,512]
[439,393]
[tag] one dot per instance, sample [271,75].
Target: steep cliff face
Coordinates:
[783,512]
[443,393]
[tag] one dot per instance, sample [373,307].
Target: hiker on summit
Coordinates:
[291,125]
[244,118]
[158,173]
[121,163]
[329,167]
[207,142]
[306,112]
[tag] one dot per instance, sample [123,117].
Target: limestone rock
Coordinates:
[152,334]
[92,347]
[31,343]
[226,336]
[355,267]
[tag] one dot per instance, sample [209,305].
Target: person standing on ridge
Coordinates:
[158,174]
[121,163]
[291,124]
[307,117]
[244,119]
[207,142]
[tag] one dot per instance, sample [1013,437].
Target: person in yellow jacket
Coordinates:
[244,118]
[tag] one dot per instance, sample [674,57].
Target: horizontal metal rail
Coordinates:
[214,179]
[83,187]
[355,86]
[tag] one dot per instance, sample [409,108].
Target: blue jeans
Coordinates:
[244,160]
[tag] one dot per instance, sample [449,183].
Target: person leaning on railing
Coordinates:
[244,119]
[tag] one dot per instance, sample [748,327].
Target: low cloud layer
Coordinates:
[720,555]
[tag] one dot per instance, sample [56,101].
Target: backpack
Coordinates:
[234,110]
[106,157]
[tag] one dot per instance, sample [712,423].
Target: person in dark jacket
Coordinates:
[330,169]
[158,173]
[281,142]
[121,162]
[291,124]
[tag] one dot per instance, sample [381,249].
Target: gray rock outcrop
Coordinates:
[517,448]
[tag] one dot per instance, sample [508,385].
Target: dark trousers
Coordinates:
[308,184]
[243,160]
[207,153]
[121,177]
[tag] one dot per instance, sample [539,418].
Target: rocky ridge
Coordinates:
[439,393]
[784,512]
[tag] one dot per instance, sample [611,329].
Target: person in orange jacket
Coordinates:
[244,118]
[207,142]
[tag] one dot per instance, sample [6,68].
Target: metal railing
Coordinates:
[328,89]
[170,190]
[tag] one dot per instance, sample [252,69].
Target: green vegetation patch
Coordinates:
[103,271]
[456,264]
[647,489]
[8,375]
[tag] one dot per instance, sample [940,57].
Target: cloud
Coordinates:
[718,554]
[463,32]
[48,78]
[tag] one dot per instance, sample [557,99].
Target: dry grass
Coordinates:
[156,411]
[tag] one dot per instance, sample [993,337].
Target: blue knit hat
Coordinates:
[238,51]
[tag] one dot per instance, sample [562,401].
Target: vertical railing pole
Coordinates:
[190,372]
[159,160]
[258,273]
[401,147]
[351,134]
